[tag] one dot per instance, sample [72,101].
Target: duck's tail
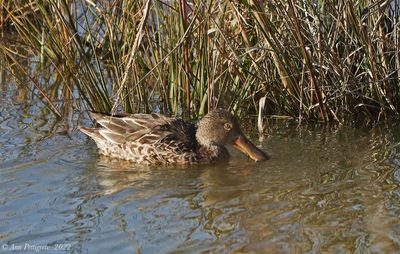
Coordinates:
[91,132]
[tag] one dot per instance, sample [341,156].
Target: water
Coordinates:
[325,190]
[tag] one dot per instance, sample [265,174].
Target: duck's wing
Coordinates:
[143,128]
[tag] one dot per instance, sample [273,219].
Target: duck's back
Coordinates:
[145,138]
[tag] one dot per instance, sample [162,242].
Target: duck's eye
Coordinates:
[228,126]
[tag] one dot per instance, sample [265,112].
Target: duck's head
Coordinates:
[220,128]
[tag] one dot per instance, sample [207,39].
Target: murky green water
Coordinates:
[326,190]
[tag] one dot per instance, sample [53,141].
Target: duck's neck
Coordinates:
[213,153]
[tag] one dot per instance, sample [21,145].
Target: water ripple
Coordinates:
[324,190]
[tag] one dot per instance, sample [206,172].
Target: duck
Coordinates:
[158,139]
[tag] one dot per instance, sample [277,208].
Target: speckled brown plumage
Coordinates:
[157,139]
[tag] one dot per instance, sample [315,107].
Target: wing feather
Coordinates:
[142,127]
[112,136]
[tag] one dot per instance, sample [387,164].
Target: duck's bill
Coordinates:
[244,145]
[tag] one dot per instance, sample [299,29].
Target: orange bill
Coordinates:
[245,145]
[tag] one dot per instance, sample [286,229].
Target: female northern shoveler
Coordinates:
[157,139]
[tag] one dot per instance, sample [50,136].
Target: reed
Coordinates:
[311,60]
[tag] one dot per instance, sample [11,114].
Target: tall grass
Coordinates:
[312,60]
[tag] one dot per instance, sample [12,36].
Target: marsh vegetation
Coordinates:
[312,60]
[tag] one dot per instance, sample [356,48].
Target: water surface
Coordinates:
[325,190]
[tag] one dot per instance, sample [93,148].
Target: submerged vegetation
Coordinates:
[310,59]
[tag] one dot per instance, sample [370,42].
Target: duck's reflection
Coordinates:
[214,192]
